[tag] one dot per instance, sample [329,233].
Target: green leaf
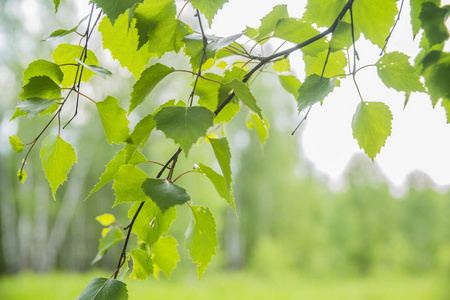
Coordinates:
[152,223]
[142,131]
[433,22]
[313,90]
[208,91]
[375,18]
[40,87]
[149,12]
[128,155]
[123,43]
[96,69]
[142,264]
[22,176]
[269,21]
[104,289]
[201,238]
[416,8]
[57,158]
[261,125]
[147,82]
[184,125]
[35,106]
[219,183]
[63,32]
[297,31]
[65,54]
[282,65]
[106,219]
[208,7]
[250,32]
[242,91]
[56,2]
[290,83]
[323,12]
[223,156]
[336,63]
[194,49]
[396,72]
[42,67]
[220,43]
[436,69]
[113,237]
[16,144]
[114,120]
[446,105]
[342,36]
[167,35]
[164,193]
[114,8]
[165,256]
[127,185]
[371,126]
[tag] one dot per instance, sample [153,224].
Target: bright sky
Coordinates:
[420,138]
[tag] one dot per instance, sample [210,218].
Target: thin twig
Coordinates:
[392,29]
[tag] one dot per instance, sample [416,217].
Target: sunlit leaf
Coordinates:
[114,8]
[261,126]
[201,238]
[127,185]
[223,156]
[42,67]
[371,126]
[142,131]
[35,106]
[165,255]
[16,144]
[269,21]
[22,176]
[57,158]
[114,120]
[282,65]
[167,35]
[142,264]
[219,183]
[63,32]
[113,237]
[337,61]
[40,87]
[208,7]
[96,69]
[313,90]
[243,92]
[106,219]
[290,83]
[147,82]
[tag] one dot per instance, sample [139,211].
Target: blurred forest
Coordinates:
[287,218]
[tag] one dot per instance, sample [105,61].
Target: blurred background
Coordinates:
[300,232]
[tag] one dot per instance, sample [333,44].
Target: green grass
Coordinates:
[233,286]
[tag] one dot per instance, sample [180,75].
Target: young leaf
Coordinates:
[164,193]
[22,176]
[242,91]
[142,264]
[96,69]
[375,19]
[40,87]
[446,105]
[147,13]
[142,131]
[57,158]
[371,126]
[114,120]
[220,43]
[16,144]
[127,185]
[42,67]
[297,31]
[113,236]
[65,54]
[208,7]
[396,72]
[152,223]
[165,256]
[56,2]
[167,35]
[313,90]
[114,8]
[104,289]
[223,156]
[323,12]
[201,238]
[269,21]
[194,49]
[342,36]
[185,125]
[122,40]
[208,91]
[433,22]
[281,65]
[35,106]
[219,183]
[290,83]
[337,61]
[106,219]
[147,82]
[63,32]
[128,155]
[261,125]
